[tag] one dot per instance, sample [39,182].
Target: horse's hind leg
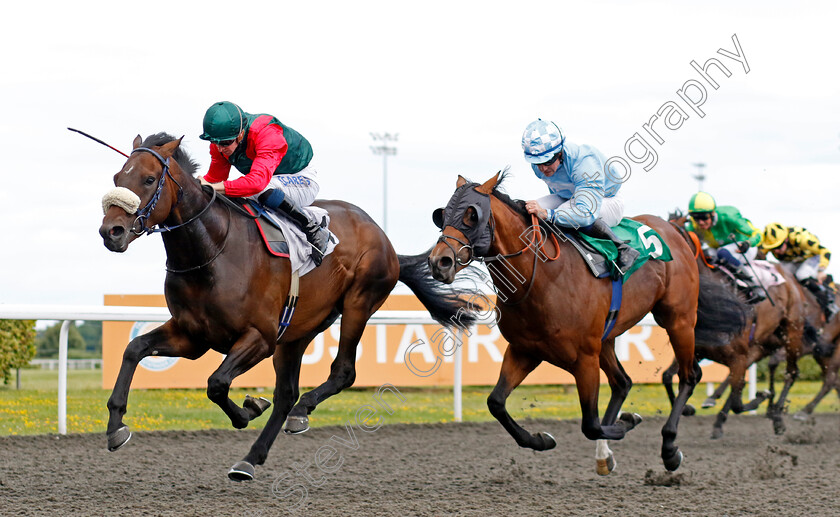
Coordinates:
[668,383]
[359,304]
[829,381]
[163,341]
[515,367]
[249,349]
[287,359]
[681,332]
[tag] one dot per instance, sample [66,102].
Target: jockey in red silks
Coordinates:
[274,160]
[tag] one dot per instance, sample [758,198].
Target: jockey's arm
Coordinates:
[808,242]
[748,233]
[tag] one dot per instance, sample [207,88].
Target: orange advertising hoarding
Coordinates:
[644,351]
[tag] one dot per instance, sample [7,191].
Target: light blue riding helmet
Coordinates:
[542,140]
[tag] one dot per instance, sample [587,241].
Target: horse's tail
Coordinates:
[721,314]
[444,304]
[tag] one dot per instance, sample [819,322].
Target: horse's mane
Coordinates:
[187,164]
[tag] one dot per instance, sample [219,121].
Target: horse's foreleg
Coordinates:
[588,381]
[775,410]
[515,367]
[682,341]
[620,382]
[249,349]
[342,371]
[163,341]
[620,385]
[772,364]
[287,360]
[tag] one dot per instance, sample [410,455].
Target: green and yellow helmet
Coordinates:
[701,203]
[774,235]
[223,121]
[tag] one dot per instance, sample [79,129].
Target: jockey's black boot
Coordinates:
[626,254]
[824,296]
[316,234]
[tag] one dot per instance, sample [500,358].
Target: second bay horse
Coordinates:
[551,308]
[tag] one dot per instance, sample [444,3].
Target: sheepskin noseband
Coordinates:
[123,198]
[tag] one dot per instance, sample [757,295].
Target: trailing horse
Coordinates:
[227,293]
[773,323]
[559,312]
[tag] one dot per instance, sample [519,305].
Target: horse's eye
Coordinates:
[473,216]
[149,180]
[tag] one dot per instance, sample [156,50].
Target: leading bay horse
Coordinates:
[556,310]
[226,293]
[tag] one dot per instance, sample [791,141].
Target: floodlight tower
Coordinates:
[381,141]
[700,176]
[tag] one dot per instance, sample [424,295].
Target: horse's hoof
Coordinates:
[255,406]
[241,471]
[709,402]
[689,410]
[764,394]
[118,438]
[630,420]
[547,441]
[779,426]
[674,462]
[801,416]
[717,433]
[604,466]
[296,425]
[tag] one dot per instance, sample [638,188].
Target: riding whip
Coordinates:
[755,275]
[97,140]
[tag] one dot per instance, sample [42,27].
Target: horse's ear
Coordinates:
[437,218]
[489,185]
[137,142]
[167,149]
[461,181]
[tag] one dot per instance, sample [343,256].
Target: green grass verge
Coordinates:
[34,408]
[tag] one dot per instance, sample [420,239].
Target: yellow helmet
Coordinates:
[701,202]
[774,235]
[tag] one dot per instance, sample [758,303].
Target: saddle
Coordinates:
[599,254]
[271,233]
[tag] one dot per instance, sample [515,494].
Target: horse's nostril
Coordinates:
[445,263]
[116,231]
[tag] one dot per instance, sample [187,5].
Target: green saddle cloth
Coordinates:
[641,237]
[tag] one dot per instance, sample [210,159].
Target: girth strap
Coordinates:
[289,308]
[615,304]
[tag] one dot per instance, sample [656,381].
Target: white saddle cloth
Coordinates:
[767,273]
[300,251]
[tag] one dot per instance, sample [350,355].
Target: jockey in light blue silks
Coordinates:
[583,195]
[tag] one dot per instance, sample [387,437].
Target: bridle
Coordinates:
[144,213]
[139,226]
[490,225]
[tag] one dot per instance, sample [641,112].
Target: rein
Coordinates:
[144,213]
[537,250]
[214,257]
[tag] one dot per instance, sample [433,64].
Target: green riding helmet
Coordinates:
[701,203]
[223,121]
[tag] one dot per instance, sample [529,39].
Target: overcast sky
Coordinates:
[458,81]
